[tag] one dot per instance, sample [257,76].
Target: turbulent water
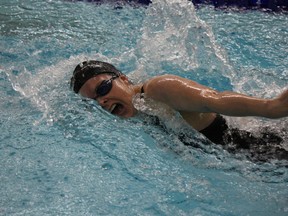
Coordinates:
[60,155]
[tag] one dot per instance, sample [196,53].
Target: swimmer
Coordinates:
[201,106]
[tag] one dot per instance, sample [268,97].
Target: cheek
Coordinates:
[130,112]
[126,98]
[124,93]
[132,109]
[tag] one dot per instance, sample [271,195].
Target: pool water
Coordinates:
[60,155]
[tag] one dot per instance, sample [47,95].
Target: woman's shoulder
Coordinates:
[164,77]
[165,88]
[160,81]
[170,83]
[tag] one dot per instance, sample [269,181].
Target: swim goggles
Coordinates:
[105,87]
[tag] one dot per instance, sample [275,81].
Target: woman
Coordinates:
[199,105]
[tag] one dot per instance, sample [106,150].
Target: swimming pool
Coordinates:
[62,156]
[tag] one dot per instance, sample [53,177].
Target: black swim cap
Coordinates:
[88,69]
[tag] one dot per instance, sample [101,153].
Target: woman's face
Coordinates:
[117,101]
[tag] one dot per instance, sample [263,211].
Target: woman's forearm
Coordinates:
[234,104]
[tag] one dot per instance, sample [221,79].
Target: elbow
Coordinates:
[275,109]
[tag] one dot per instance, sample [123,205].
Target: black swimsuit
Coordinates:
[262,148]
[215,132]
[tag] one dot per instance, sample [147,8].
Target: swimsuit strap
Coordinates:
[142,92]
[142,89]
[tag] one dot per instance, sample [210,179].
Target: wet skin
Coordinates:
[196,103]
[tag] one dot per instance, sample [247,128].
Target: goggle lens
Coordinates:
[105,87]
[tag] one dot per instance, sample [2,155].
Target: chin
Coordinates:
[129,114]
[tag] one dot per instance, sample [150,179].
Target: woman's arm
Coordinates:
[234,104]
[186,95]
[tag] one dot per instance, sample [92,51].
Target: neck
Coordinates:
[137,88]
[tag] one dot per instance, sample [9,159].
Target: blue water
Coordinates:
[62,156]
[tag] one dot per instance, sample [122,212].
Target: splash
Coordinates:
[46,88]
[173,35]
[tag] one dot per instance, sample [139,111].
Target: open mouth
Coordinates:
[116,109]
